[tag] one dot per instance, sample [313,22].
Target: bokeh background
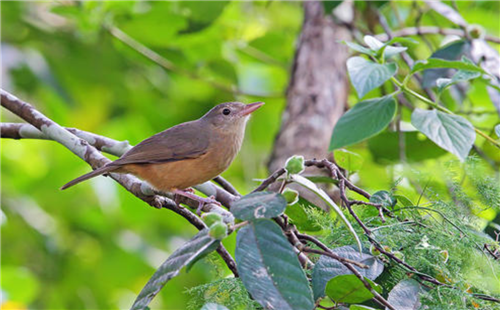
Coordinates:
[94,246]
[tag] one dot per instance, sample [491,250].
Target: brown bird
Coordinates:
[185,155]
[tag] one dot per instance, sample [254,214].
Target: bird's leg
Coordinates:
[201,200]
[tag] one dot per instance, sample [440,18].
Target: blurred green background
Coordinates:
[94,246]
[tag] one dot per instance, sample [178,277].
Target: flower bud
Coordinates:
[211,218]
[218,231]
[295,164]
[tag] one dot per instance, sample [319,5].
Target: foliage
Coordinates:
[95,247]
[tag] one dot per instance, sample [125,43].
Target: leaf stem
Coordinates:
[440,108]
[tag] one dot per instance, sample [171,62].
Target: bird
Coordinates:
[187,154]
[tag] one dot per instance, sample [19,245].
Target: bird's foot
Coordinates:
[201,200]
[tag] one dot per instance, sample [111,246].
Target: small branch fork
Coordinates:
[87,145]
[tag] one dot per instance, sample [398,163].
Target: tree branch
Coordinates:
[414,31]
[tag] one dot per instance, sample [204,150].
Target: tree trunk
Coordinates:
[318,89]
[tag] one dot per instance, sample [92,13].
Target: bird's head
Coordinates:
[230,115]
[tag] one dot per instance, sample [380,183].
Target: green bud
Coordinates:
[218,231]
[211,218]
[291,196]
[295,164]
[475,31]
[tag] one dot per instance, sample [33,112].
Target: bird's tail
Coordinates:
[98,171]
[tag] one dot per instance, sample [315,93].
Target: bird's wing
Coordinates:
[184,141]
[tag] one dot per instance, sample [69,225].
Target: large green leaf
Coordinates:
[451,132]
[326,268]
[200,245]
[349,289]
[367,75]
[385,147]
[405,295]
[364,120]
[270,269]
[259,205]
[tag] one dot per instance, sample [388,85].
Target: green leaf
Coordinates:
[326,268]
[497,130]
[348,160]
[385,147]
[451,132]
[300,218]
[329,6]
[385,48]
[432,63]
[259,205]
[270,269]
[366,75]
[213,306]
[359,48]
[405,295]
[451,51]
[200,245]
[384,198]
[349,289]
[321,194]
[374,115]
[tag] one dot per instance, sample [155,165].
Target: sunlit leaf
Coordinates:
[366,75]
[451,132]
[350,289]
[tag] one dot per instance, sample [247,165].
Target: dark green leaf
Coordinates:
[451,132]
[329,6]
[350,289]
[366,75]
[213,306]
[200,245]
[259,205]
[385,147]
[405,295]
[452,51]
[360,307]
[441,63]
[326,268]
[384,198]
[270,269]
[403,201]
[374,115]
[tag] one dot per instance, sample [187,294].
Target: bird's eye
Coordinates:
[226,111]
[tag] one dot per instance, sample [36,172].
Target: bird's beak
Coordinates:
[249,108]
